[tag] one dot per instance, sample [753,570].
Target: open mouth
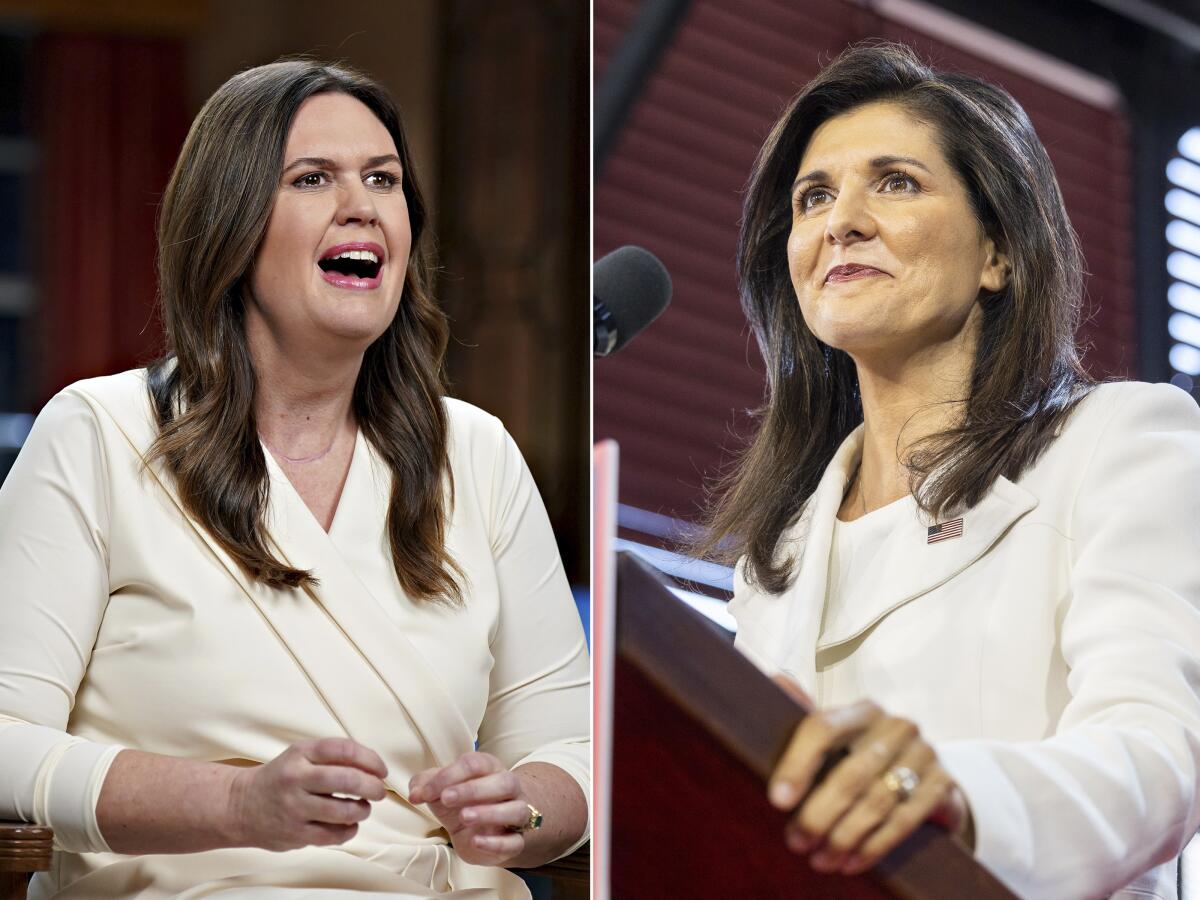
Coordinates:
[358,264]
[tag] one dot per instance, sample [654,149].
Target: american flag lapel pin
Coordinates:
[944,531]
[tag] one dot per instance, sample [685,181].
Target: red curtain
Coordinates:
[112,113]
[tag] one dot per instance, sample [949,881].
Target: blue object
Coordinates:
[583,602]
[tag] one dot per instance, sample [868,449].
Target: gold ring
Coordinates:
[533,823]
[901,781]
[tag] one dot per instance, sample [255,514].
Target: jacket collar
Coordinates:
[910,568]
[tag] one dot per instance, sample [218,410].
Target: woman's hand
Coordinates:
[853,818]
[480,802]
[289,803]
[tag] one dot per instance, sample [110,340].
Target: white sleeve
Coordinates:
[539,698]
[1114,791]
[53,591]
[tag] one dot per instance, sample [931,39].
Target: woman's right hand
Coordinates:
[287,803]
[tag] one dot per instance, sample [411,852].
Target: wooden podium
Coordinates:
[697,729]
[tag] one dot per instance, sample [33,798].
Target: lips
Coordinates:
[851,272]
[357,265]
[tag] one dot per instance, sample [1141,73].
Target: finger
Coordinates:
[493,788]
[331,811]
[954,815]
[512,814]
[344,780]
[819,733]
[467,767]
[321,834]
[504,846]
[343,751]
[905,818]
[416,785]
[852,778]
[869,812]
[793,689]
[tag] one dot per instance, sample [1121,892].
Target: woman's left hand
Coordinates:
[853,818]
[480,802]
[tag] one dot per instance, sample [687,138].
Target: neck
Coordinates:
[904,402]
[302,402]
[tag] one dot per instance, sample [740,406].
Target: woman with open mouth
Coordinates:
[279,617]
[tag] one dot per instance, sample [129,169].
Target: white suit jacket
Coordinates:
[122,623]
[1051,653]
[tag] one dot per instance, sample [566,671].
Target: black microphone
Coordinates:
[630,289]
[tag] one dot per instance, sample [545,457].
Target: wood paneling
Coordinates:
[513,226]
[145,17]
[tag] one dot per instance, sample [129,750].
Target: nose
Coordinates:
[356,205]
[850,220]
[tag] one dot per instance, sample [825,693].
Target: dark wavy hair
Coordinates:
[213,218]
[1027,375]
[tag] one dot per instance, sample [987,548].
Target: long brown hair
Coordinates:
[1027,376]
[214,215]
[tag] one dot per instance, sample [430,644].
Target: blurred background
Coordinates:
[686,92]
[97,95]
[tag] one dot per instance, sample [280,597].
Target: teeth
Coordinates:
[356,254]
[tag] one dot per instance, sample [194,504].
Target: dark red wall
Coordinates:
[673,184]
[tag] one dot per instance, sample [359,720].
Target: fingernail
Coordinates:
[820,861]
[796,842]
[484,842]
[449,795]
[783,795]
[469,815]
[853,865]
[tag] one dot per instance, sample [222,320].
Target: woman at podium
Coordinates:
[981,566]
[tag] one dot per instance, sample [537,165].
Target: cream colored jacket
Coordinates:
[123,624]
[1051,653]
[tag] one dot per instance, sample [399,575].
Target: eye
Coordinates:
[311,180]
[810,199]
[383,180]
[896,182]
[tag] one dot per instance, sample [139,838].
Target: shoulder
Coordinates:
[1126,403]
[1114,421]
[1124,440]
[488,465]
[475,437]
[470,423]
[122,396]
[80,432]
[480,447]
[121,389]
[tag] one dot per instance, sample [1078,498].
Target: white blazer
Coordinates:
[124,624]
[1051,653]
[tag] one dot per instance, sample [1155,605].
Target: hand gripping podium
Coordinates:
[697,729]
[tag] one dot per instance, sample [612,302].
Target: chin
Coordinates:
[354,329]
[856,336]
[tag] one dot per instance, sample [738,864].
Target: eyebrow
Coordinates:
[322,162]
[879,162]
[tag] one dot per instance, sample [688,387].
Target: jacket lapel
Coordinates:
[355,656]
[810,538]
[384,656]
[913,567]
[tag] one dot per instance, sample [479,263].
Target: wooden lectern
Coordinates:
[697,729]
